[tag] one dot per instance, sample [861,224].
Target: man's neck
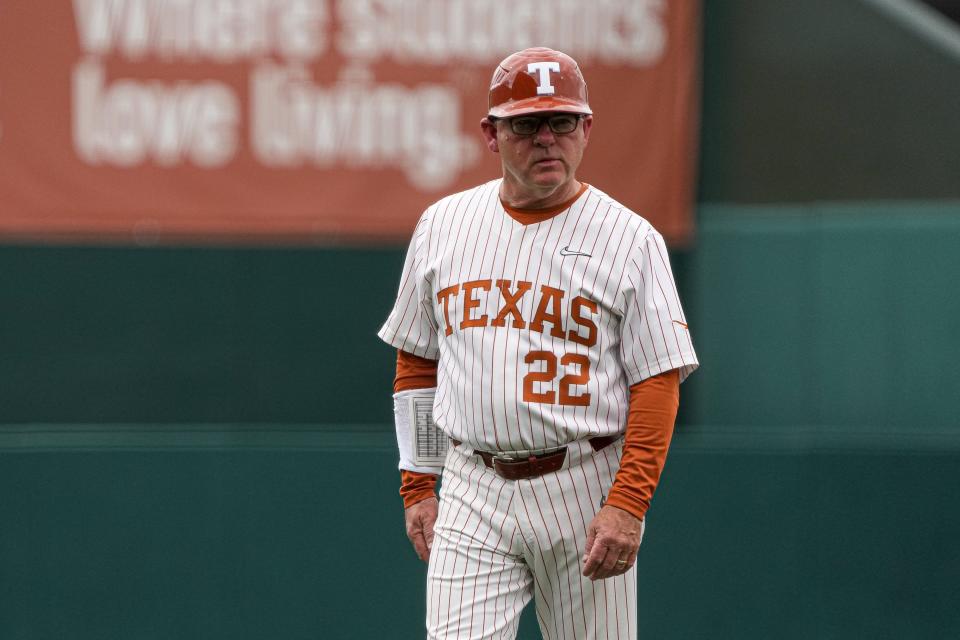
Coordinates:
[523,199]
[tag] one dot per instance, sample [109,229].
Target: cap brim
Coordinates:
[539,103]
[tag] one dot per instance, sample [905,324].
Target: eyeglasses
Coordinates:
[529,125]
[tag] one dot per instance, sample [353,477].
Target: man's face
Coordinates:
[541,162]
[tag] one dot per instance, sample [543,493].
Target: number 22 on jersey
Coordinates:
[580,375]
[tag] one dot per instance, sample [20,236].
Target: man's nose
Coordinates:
[544,134]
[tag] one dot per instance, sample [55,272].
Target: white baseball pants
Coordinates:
[500,542]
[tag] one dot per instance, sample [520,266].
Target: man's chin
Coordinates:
[548,179]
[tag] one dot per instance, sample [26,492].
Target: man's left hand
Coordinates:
[613,538]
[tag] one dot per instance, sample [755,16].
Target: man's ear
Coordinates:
[489,130]
[587,125]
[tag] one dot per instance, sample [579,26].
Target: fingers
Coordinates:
[600,554]
[621,565]
[591,537]
[420,546]
[593,561]
[429,520]
[606,562]
[420,520]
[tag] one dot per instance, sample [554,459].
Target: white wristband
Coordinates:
[422,445]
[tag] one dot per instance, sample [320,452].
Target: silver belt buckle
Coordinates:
[536,453]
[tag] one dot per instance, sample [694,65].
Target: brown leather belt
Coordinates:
[534,466]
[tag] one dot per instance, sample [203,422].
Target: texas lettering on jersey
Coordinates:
[550,309]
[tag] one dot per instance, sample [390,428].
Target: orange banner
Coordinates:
[314,121]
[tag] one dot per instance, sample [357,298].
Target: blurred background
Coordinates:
[196,433]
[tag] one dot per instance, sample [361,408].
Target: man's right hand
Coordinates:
[420,520]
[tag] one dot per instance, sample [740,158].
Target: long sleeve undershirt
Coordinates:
[653,409]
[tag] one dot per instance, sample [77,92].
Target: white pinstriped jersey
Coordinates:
[539,329]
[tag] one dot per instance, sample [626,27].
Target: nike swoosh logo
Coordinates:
[681,324]
[567,252]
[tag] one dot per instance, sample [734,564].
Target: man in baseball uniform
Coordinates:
[538,327]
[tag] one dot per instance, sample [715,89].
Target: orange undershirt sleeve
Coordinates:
[653,409]
[414,372]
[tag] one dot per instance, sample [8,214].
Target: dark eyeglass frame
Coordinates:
[550,120]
